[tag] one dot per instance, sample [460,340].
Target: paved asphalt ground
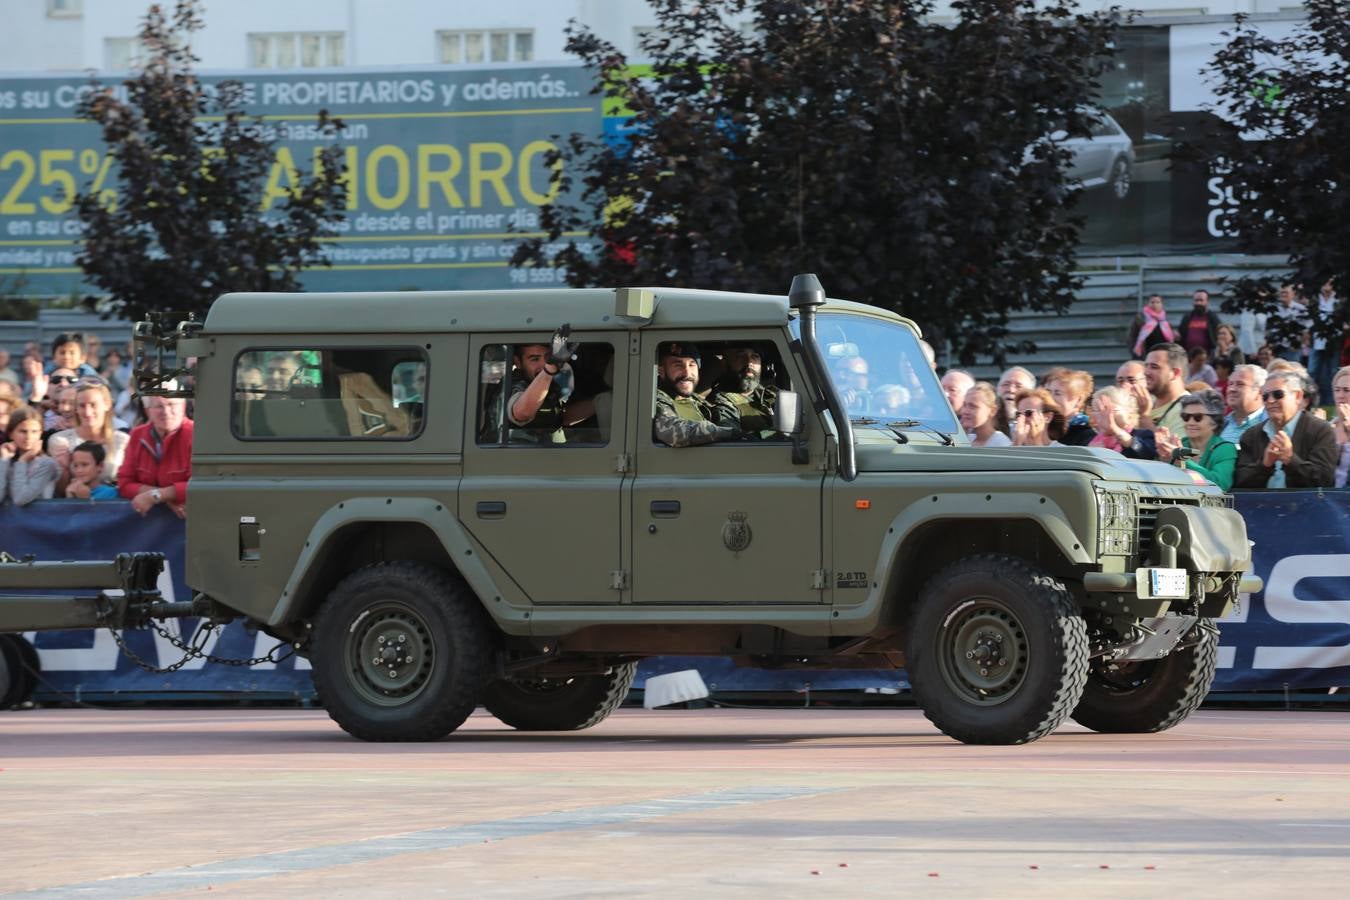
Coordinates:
[779,803]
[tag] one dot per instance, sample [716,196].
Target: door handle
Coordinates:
[491,509]
[668,509]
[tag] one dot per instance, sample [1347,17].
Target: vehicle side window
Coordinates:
[329,394]
[737,384]
[1103,128]
[519,408]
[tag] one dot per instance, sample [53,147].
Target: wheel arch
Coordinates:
[358,532]
[936,532]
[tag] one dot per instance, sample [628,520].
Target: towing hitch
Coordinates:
[118,593]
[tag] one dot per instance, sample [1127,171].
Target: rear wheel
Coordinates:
[1149,695]
[559,704]
[400,652]
[19,669]
[1120,179]
[997,653]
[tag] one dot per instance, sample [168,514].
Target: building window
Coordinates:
[485,46]
[121,54]
[65,9]
[296,50]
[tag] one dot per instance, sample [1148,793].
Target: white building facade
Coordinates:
[74,35]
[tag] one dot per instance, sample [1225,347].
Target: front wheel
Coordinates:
[996,653]
[559,704]
[400,652]
[1149,695]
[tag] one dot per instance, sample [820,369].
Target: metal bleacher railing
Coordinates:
[1092,334]
[51,322]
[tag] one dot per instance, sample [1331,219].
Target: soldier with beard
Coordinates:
[683,418]
[742,399]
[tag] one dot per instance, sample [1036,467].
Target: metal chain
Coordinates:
[194,651]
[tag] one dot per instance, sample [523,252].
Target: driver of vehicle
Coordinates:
[683,418]
[742,398]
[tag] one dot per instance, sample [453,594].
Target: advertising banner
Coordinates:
[1295,634]
[445,165]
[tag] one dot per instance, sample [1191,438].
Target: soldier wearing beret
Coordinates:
[742,399]
[684,419]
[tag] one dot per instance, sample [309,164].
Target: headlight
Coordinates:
[1117,522]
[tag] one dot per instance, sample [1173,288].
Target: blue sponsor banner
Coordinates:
[1295,633]
[76,663]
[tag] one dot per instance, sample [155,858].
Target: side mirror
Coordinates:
[1059,134]
[787,414]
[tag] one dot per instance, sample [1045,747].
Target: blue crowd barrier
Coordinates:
[1295,633]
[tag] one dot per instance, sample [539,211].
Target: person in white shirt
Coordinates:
[978,413]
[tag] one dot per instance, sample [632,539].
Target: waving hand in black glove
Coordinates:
[560,349]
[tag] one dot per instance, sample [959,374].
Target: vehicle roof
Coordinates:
[520,310]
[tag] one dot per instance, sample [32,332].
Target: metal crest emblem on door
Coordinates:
[736,533]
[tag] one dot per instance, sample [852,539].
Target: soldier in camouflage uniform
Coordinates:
[536,400]
[683,418]
[742,399]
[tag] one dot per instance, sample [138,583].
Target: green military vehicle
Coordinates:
[365,489]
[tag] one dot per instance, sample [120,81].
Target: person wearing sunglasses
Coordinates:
[1040,422]
[1201,418]
[1291,449]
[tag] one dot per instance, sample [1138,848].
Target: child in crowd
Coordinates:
[26,473]
[69,352]
[86,474]
[1223,368]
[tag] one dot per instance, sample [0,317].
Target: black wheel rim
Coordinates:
[982,652]
[390,654]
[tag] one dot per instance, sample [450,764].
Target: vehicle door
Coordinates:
[737,522]
[545,502]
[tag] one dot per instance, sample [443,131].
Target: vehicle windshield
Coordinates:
[880,371]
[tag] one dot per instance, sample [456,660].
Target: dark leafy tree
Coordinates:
[907,164]
[186,221]
[1284,153]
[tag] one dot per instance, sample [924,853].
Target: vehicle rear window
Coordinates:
[340,393]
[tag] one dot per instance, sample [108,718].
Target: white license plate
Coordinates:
[1167,584]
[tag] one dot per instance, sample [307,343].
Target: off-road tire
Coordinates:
[1150,695]
[562,704]
[1003,606]
[19,669]
[410,605]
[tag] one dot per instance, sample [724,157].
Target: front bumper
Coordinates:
[1128,583]
[1207,543]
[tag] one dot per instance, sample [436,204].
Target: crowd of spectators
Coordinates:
[1192,396]
[1188,395]
[71,427]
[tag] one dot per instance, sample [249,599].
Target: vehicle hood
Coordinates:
[1095,461]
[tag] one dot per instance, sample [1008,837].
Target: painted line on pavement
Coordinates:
[266,865]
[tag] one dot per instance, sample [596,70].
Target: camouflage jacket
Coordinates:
[687,421]
[751,414]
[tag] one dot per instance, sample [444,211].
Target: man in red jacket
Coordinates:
[158,458]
